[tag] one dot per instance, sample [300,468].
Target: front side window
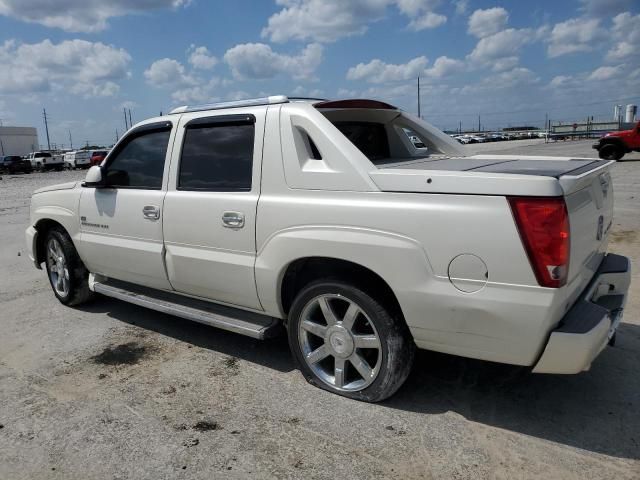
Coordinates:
[217,158]
[140,163]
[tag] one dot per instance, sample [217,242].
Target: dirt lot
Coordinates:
[115,391]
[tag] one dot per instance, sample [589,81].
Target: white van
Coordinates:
[77,159]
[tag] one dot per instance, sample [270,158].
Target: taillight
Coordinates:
[543,224]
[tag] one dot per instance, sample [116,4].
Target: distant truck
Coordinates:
[614,145]
[45,161]
[77,159]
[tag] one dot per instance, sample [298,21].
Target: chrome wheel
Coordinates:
[58,268]
[339,343]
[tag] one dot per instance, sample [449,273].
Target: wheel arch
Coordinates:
[305,270]
[617,141]
[43,226]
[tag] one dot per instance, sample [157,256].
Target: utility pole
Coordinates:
[478,123]
[117,136]
[126,125]
[460,127]
[130,122]
[419,112]
[70,140]
[46,127]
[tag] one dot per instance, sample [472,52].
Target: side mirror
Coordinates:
[94,177]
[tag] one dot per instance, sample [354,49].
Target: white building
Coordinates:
[18,140]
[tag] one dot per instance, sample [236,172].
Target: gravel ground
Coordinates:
[111,390]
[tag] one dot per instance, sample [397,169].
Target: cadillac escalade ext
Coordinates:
[325,218]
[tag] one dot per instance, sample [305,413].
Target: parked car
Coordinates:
[14,164]
[97,156]
[77,159]
[45,161]
[323,217]
[614,145]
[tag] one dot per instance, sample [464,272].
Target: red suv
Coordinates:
[97,157]
[614,145]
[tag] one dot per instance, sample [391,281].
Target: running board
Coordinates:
[227,318]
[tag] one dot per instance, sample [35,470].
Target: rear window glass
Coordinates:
[42,155]
[370,138]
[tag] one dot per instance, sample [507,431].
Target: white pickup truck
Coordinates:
[324,217]
[45,161]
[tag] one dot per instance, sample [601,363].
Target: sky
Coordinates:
[511,62]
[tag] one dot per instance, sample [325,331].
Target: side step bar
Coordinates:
[227,318]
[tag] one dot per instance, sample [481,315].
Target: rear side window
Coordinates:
[370,138]
[140,163]
[217,157]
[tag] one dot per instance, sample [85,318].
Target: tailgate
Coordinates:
[589,201]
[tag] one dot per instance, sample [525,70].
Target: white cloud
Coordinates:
[515,78]
[574,35]
[604,7]
[377,71]
[201,93]
[259,61]
[80,15]
[329,20]
[168,73]
[445,66]
[483,23]
[85,68]
[626,30]
[504,44]
[561,81]
[426,21]
[346,93]
[201,58]
[605,73]
[461,6]
[127,104]
[301,91]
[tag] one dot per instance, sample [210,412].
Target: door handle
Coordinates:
[233,219]
[151,212]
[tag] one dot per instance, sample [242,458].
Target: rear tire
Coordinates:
[611,151]
[67,275]
[346,342]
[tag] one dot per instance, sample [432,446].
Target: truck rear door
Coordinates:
[210,208]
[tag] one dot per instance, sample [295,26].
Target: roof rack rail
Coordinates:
[251,102]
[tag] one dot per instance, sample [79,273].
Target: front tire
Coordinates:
[67,274]
[611,151]
[346,342]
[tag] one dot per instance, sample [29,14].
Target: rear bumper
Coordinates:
[588,326]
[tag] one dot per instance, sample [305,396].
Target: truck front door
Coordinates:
[121,223]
